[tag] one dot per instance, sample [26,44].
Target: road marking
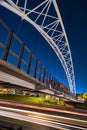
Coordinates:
[18,110]
[38,121]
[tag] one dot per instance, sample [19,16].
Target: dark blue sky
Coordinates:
[74,15]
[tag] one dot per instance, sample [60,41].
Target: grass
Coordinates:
[32,99]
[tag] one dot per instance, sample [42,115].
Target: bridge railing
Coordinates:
[14,51]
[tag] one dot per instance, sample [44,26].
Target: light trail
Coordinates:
[29,119]
[44,108]
[47,115]
[42,121]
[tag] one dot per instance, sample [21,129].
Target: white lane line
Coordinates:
[26,111]
[41,108]
[38,121]
[56,121]
[30,119]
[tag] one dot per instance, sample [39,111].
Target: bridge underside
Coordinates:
[15,78]
[12,77]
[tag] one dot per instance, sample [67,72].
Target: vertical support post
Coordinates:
[53,81]
[40,72]
[44,74]
[8,45]
[47,78]
[35,71]
[20,56]
[29,63]
[50,79]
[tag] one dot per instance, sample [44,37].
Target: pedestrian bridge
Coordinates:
[20,68]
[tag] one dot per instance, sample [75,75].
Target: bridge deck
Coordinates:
[19,70]
[11,76]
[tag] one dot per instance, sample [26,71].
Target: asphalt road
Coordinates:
[12,124]
[35,118]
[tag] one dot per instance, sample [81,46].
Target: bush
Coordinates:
[50,101]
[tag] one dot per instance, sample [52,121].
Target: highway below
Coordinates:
[28,117]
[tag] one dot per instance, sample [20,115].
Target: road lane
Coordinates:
[44,119]
[58,112]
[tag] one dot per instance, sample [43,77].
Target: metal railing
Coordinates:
[14,51]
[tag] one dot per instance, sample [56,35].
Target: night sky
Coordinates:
[74,16]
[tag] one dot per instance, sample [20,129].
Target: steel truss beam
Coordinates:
[46,18]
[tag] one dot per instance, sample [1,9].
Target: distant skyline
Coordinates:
[74,16]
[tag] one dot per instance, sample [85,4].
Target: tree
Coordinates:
[85,95]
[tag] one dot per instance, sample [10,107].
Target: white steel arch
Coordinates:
[44,15]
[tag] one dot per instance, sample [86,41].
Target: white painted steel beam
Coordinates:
[53,31]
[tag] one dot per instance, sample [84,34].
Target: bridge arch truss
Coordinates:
[44,15]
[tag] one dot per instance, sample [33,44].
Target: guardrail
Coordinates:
[14,51]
